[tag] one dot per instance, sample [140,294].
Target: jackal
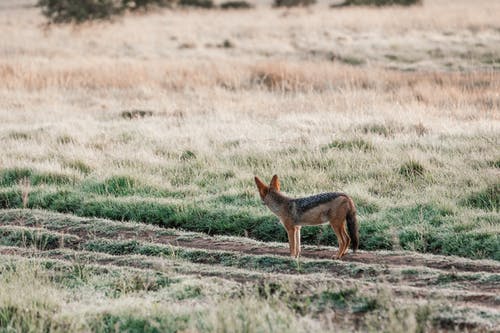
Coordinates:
[335,208]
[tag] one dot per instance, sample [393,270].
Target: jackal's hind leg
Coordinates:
[340,240]
[347,239]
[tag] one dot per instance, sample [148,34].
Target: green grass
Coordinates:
[356,144]
[429,227]
[14,176]
[487,199]
[37,238]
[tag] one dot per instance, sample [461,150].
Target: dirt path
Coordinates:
[199,241]
[444,272]
[375,257]
[457,297]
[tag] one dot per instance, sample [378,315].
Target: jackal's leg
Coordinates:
[347,239]
[297,242]
[344,241]
[340,240]
[291,241]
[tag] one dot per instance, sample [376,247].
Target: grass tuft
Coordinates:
[356,144]
[79,165]
[486,199]
[412,170]
[136,114]
[10,177]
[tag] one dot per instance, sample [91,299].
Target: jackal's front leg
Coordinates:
[291,241]
[297,242]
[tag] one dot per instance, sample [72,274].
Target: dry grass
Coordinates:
[63,90]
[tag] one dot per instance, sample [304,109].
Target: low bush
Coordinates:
[78,11]
[379,3]
[196,3]
[237,4]
[293,3]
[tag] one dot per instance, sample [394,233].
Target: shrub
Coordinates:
[197,3]
[379,3]
[63,11]
[293,3]
[66,11]
[237,4]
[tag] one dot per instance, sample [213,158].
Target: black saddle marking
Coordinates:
[304,204]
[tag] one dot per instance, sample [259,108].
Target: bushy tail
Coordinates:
[353,226]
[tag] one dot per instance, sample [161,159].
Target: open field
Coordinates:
[161,226]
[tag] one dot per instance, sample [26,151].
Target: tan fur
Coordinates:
[333,211]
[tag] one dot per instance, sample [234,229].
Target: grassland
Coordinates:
[128,151]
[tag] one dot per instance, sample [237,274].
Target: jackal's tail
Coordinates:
[353,226]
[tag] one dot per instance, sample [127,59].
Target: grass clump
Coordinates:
[443,241]
[42,240]
[337,300]
[65,139]
[486,199]
[18,135]
[187,155]
[116,185]
[136,114]
[412,170]
[494,163]
[13,176]
[383,129]
[130,322]
[9,177]
[375,235]
[351,60]
[356,144]
[79,166]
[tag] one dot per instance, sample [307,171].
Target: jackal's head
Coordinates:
[265,190]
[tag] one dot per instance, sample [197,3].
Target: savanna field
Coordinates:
[128,150]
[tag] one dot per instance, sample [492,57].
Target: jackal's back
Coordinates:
[304,204]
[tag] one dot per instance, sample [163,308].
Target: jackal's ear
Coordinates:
[263,189]
[275,183]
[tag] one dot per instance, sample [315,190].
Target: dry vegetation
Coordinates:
[164,118]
